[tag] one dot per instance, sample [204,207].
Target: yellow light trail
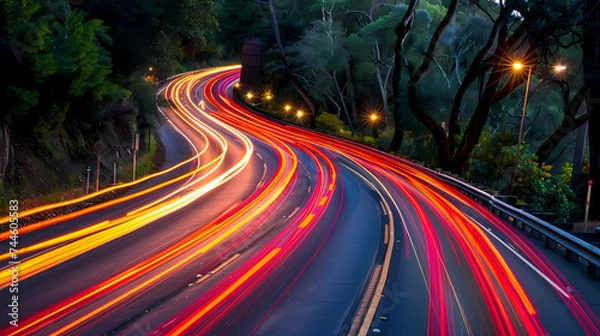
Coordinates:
[181,329]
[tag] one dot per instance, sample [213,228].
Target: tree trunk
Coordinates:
[434,127]
[570,123]
[312,105]
[474,72]
[6,157]
[576,176]
[402,31]
[476,124]
[350,91]
[344,107]
[380,83]
[591,80]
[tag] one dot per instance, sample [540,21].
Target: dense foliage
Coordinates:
[437,74]
[74,72]
[65,66]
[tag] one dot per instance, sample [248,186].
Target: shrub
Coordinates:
[538,187]
[329,123]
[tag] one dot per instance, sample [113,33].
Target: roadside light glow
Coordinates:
[237,85]
[150,69]
[560,68]
[299,114]
[268,96]
[373,117]
[287,108]
[249,95]
[518,66]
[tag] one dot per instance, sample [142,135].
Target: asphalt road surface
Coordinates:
[259,227]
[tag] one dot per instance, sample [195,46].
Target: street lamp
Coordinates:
[249,95]
[373,123]
[300,114]
[287,108]
[518,66]
[560,68]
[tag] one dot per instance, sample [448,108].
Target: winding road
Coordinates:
[259,227]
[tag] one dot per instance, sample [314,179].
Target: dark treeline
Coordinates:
[439,73]
[76,71]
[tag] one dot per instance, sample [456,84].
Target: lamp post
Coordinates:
[519,66]
[373,123]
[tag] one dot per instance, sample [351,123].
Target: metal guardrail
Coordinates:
[575,248]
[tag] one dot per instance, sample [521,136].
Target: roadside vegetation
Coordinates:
[441,82]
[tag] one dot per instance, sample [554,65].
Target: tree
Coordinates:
[522,30]
[308,99]
[156,33]
[53,78]
[416,76]
[238,20]
[402,31]
[571,121]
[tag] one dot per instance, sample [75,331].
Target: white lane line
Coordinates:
[525,261]
[293,212]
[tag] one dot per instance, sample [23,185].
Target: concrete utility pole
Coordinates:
[514,176]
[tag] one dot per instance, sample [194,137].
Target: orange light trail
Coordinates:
[435,228]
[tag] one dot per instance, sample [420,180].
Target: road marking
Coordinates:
[293,212]
[362,321]
[525,261]
[386,237]
[306,220]
[220,267]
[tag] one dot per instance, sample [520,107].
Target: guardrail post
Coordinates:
[535,233]
[593,271]
[571,256]
[518,224]
[550,244]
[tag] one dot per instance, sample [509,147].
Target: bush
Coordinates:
[369,141]
[537,186]
[329,123]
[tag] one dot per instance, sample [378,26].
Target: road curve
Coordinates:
[258,227]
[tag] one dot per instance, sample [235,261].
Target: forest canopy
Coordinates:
[439,72]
